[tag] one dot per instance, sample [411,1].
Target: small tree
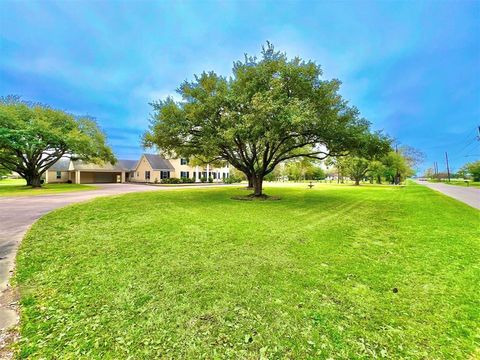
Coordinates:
[473,168]
[377,171]
[413,157]
[271,110]
[357,168]
[429,173]
[396,167]
[33,137]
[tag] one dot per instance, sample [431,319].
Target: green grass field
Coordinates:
[17,187]
[335,272]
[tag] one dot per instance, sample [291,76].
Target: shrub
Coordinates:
[210,180]
[171,181]
[69,181]
[185,180]
[232,180]
[203,179]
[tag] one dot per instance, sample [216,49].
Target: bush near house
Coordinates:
[185,180]
[232,180]
[171,181]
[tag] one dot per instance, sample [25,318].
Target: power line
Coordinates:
[466,146]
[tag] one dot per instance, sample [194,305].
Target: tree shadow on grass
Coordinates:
[252,197]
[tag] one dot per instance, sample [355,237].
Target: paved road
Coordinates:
[467,195]
[17,214]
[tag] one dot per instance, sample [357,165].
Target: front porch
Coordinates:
[217,175]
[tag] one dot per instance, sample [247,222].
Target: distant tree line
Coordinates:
[393,167]
[470,171]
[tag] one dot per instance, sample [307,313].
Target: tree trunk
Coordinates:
[250,182]
[379,179]
[357,182]
[397,179]
[28,179]
[36,181]
[257,186]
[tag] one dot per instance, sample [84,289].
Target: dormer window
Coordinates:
[183,161]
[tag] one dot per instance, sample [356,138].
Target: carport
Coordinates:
[89,173]
[94,177]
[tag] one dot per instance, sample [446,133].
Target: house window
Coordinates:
[147,175]
[224,175]
[214,176]
[138,173]
[183,161]
[164,174]
[59,175]
[184,174]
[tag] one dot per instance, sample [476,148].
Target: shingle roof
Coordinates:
[158,163]
[128,164]
[61,165]
[120,165]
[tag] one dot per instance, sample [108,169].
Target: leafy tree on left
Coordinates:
[33,137]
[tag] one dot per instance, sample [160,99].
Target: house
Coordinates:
[154,168]
[79,172]
[149,168]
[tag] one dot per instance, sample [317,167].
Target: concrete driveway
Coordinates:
[17,214]
[467,195]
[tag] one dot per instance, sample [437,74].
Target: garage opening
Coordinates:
[100,177]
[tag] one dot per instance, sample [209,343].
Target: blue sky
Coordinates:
[411,67]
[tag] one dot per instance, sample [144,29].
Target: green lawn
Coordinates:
[192,274]
[17,187]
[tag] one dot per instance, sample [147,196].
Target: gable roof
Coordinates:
[120,165]
[158,163]
[128,164]
[155,161]
[61,165]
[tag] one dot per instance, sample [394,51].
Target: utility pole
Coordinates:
[448,168]
[397,175]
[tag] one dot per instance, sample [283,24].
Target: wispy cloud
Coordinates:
[412,68]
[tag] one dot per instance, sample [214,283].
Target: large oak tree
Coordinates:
[33,137]
[271,110]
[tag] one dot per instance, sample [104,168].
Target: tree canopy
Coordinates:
[472,168]
[304,169]
[270,110]
[33,137]
[394,166]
